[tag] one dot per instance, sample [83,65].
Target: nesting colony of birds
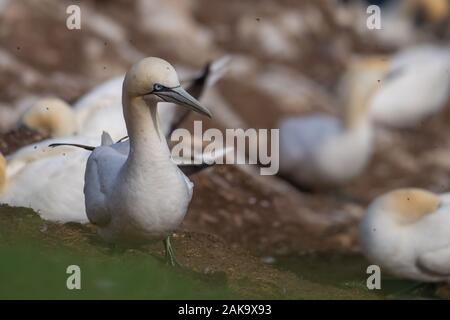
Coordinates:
[86,118]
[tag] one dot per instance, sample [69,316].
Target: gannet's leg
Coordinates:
[170,256]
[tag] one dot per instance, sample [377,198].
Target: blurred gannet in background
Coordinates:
[320,150]
[416,86]
[101,108]
[142,195]
[402,22]
[50,181]
[51,116]
[407,233]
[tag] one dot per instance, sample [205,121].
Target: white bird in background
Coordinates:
[47,180]
[320,150]
[143,195]
[407,233]
[416,86]
[50,181]
[51,116]
[101,108]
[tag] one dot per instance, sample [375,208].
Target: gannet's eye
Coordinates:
[157,87]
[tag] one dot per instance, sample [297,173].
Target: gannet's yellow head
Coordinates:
[2,172]
[153,80]
[363,77]
[409,205]
[51,116]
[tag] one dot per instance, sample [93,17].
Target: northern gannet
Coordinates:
[407,233]
[416,86]
[320,150]
[51,116]
[50,181]
[143,195]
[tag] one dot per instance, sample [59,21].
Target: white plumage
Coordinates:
[48,180]
[131,204]
[407,233]
[101,110]
[416,87]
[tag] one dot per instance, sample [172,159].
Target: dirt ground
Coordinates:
[203,257]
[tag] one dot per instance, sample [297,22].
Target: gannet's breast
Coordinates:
[158,194]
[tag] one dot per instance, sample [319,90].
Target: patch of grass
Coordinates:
[349,271]
[34,257]
[34,272]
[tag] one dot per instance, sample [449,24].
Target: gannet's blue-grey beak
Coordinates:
[179,96]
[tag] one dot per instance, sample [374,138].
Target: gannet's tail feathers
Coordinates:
[212,158]
[82,146]
[106,139]
[436,262]
[207,160]
[211,73]
[122,139]
[208,76]
[216,70]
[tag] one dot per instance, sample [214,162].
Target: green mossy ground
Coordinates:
[34,255]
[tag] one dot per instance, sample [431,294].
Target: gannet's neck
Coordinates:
[355,112]
[147,143]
